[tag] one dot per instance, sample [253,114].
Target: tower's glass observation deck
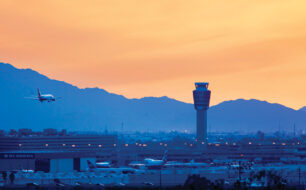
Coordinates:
[201,96]
[201,86]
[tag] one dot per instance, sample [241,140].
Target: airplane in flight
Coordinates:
[43,97]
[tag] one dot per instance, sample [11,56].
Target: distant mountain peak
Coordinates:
[303,109]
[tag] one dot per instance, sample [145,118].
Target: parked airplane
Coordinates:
[124,170]
[103,165]
[150,163]
[43,97]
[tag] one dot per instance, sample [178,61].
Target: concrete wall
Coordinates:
[61,165]
[17,164]
[84,165]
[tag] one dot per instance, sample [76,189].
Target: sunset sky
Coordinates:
[244,49]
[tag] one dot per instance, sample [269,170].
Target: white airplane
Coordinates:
[103,165]
[43,97]
[100,168]
[151,163]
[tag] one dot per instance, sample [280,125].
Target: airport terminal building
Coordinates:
[54,153]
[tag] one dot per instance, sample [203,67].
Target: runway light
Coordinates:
[136,144]
[273,143]
[20,145]
[241,155]
[46,145]
[166,145]
[126,144]
[89,144]
[217,144]
[202,142]
[144,145]
[250,142]
[100,145]
[73,145]
[226,143]
[234,144]
[140,144]
[190,144]
[115,145]
[64,144]
[283,144]
[298,142]
[160,144]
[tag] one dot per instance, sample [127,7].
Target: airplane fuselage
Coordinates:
[152,162]
[46,97]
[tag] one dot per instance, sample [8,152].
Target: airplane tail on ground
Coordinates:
[165,156]
[38,92]
[90,165]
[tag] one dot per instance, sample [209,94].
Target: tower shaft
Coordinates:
[202,125]
[201,97]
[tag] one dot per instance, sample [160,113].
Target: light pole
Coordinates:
[160,177]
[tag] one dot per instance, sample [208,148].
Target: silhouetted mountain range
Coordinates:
[303,109]
[94,109]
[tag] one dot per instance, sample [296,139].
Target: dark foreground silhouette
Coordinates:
[263,180]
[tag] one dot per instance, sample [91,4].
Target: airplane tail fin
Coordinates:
[38,92]
[165,156]
[90,165]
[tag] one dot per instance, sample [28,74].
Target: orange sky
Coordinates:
[245,49]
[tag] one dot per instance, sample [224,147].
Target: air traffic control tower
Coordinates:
[201,97]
